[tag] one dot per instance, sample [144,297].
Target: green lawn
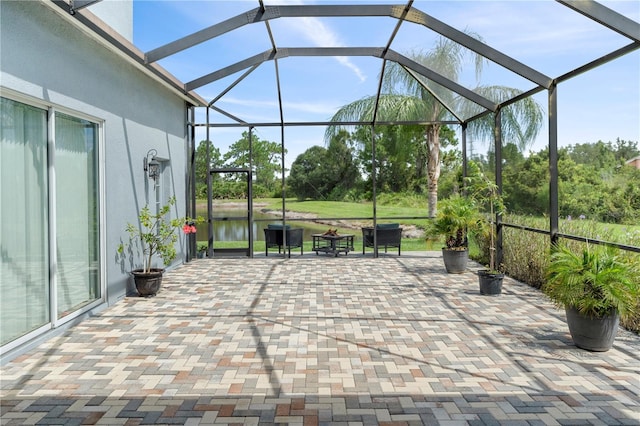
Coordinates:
[332,209]
[615,233]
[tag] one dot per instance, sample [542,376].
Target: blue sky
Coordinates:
[603,104]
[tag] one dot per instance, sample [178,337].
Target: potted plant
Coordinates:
[157,235]
[202,249]
[596,287]
[457,217]
[488,195]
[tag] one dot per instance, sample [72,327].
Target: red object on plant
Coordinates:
[189,228]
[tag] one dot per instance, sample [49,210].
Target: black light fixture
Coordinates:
[151,165]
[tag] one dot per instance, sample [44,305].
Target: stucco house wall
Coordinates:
[46,60]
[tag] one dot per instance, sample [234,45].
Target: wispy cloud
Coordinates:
[313,30]
[319,34]
[538,29]
[307,107]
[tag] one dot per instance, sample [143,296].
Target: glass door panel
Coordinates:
[24,230]
[77,228]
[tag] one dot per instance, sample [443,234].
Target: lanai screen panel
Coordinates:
[541,35]
[529,44]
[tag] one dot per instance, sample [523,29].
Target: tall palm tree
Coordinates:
[406,99]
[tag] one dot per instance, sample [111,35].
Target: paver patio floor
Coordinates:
[324,340]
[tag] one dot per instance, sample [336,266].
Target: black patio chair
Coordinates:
[273,238]
[388,235]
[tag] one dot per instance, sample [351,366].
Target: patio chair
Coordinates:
[273,239]
[387,234]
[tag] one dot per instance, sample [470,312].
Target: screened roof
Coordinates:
[529,44]
[270,62]
[264,65]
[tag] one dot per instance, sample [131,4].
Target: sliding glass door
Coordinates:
[76,200]
[24,220]
[49,218]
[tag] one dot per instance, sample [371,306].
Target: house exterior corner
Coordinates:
[78,120]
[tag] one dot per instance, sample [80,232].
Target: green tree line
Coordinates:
[265,162]
[593,182]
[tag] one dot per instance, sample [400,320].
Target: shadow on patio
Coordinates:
[318,339]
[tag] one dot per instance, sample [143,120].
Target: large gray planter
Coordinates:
[455,261]
[592,334]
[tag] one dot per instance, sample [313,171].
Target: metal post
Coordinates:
[498,158]
[282,150]
[250,193]
[553,163]
[209,194]
[192,188]
[284,191]
[464,157]
[374,193]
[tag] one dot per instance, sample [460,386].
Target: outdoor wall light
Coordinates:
[151,165]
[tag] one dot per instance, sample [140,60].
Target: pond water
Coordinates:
[234,226]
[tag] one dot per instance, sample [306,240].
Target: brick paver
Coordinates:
[321,340]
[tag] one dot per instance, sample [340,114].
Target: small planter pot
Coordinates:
[490,282]
[455,261]
[147,284]
[592,334]
[201,254]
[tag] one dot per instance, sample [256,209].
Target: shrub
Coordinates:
[157,234]
[526,254]
[593,280]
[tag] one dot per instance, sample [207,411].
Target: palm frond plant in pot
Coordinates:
[202,249]
[457,218]
[596,287]
[487,194]
[157,235]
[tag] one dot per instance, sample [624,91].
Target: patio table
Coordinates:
[332,244]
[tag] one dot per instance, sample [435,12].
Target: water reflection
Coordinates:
[233,229]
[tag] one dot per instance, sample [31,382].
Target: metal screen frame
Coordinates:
[403,13]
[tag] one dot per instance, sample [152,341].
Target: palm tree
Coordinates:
[406,99]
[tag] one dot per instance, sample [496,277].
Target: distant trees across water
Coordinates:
[594,181]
